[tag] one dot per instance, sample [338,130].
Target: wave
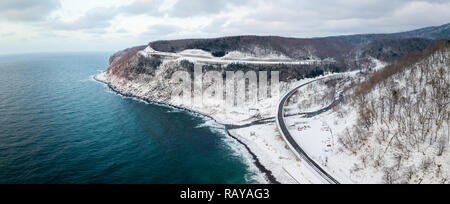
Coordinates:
[174,111]
[238,150]
[254,175]
[209,123]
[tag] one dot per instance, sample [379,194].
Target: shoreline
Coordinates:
[255,160]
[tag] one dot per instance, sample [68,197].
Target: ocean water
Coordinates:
[57,125]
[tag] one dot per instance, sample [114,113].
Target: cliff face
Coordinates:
[124,61]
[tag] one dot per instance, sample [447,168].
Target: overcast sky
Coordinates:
[109,25]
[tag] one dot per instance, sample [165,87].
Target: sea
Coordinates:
[60,126]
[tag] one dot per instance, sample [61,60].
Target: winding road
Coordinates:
[299,152]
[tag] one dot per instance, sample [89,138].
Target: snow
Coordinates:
[237,55]
[196,53]
[310,98]
[317,138]
[318,135]
[345,117]
[101,77]
[203,57]
[273,153]
[379,65]
[149,49]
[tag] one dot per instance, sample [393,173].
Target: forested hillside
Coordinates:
[403,125]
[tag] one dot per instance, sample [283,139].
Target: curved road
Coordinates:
[299,152]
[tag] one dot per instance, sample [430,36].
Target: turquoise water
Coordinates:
[57,125]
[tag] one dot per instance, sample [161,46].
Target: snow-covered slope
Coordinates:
[397,129]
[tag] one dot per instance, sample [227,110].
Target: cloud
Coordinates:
[98,19]
[25,10]
[139,7]
[179,8]
[7,35]
[296,18]
[95,20]
[139,21]
[184,8]
[159,31]
[326,17]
